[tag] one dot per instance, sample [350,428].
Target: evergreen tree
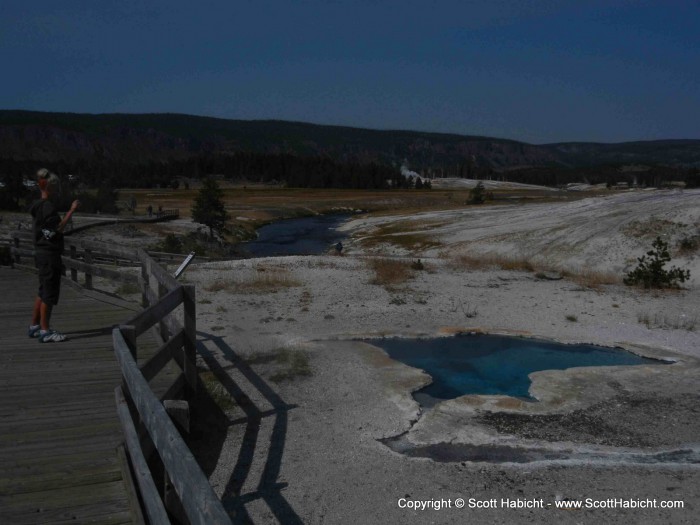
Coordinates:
[208,208]
[476,194]
[650,271]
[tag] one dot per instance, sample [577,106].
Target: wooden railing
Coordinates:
[183,493]
[90,258]
[167,214]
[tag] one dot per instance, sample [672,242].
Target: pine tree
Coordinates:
[650,271]
[476,194]
[208,208]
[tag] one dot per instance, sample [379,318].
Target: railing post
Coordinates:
[88,276]
[190,346]
[73,256]
[129,333]
[17,256]
[162,326]
[145,284]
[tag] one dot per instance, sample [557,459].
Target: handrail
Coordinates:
[162,294]
[196,495]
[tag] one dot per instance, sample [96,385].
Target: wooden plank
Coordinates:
[149,493]
[157,272]
[190,346]
[57,442]
[102,248]
[59,427]
[131,491]
[196,495]
[101,271]
[64,498]
[164,354]
[38,482]
[153,314]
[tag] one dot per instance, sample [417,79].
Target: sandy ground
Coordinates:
[306,448]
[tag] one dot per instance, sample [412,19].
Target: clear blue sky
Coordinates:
[538,71]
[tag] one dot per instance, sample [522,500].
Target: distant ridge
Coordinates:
[142,138]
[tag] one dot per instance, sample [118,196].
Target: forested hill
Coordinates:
[145,138]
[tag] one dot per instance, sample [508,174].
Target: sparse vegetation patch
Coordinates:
[287,364]
[471,262]
[667,321]
[389,272]
[217,391]
[269,281]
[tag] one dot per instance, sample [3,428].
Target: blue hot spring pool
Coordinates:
[493,364]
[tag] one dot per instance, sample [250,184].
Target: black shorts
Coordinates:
[50,270]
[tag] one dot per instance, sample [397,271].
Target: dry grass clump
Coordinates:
[492,260]
[390,272]
[217,286]
[262,282]
[583,276]
[589,278]
[652,227]
[666,321]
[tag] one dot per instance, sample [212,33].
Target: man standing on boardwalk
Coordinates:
[48,246]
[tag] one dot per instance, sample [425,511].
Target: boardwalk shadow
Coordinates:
[268,489]
[86,334]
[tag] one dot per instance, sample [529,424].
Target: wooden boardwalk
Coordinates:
[59,429]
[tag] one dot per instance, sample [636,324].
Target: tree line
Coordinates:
[293,170]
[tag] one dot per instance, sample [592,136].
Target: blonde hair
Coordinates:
[47,179]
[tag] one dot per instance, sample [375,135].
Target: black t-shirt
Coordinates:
[45,221]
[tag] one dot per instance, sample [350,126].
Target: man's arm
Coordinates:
[68,215]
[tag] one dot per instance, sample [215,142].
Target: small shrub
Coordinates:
[650,271]
[170,244]
[468,311]
[572,318]
[417,265]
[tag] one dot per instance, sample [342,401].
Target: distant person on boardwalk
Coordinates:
[339,248]
[48,228]
[150,210]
